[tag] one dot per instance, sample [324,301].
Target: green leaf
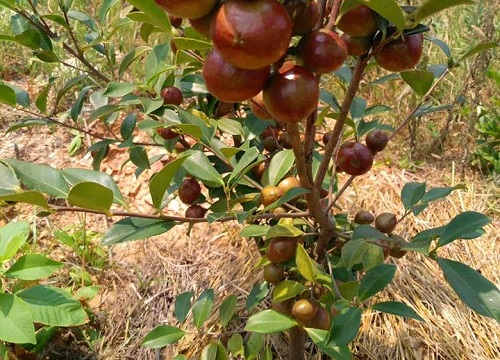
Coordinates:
[12,237]
[198,165]
[91,195]
[235,346]
[115,89]
[440,193]
[76,109]
[16,322]
[349,289]
[284,230]
[161,336]
[47,56]
[230,126]
[463,224]
[412,193]
[161,181]
[254,231]
[287,289]
[7,95]
[68,86]
[53,306]
[478,48]
[253,345]
[304,264]
[388,9]
[40,177]
[279,166]
[352,252]
[8,180]
[139,157]
[202,307]
[183,305]
[131,57]
[431,7]
[258,293]
[397,308]
[28,123]
[320,338]
[184,43]
[227,310]
[33,267]
[345,326]
[249,157]
[476,291]
[368,232]
[209,352]
[269,322]
[156,14]
[376,280]
[105,111]
[41,99]
[132,228]
[419,80]
[75,176]
[28,197]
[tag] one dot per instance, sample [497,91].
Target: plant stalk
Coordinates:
[296,344]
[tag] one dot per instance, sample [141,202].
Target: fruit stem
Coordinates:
[334,14]
[296,344]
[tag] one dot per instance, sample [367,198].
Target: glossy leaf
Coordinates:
[368,232]
[131,229]
[243,165]
[304,264]
[352,252]
[33,267]
[139,157]
[8,180]
[440,193]
[202,307]
[412,193]
[28,197]
[345,326]
[68,86]
[182,306]
[227,309]
[40,177]
[254,230]
[133,55]
[397,308]
[209,352]
[7,95]
[12,237]
[349,289]
[269,322]
[478,48]
[156,14]
[279,166]
[419,80]
[320,338]
[91,195]
[160,182]
[258,293]
[462,224]
[161,336]
[253,345]
[76,109]
[235,345]
[115,89]
[376,280]
[16,320]
[431,7]
[287,289]
[476,291]
[198,165]
[284,230]
[53,306]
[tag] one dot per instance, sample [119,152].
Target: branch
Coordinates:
[334,14]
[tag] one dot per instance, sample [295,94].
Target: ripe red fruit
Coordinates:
[229,83]
[172,96]
[376,140]
[204,24]
[401,54]
[354,158]
[386,222]
[273,274]
[304,16]
[167,133]
[364,217]
[282,249]
[252,34]
[359,21]
[187,8]
[258,107]
[270,194]
[322,51]
[357,45]
[291,94]
[189,191]
[326,138]
[304,310]
[195,212]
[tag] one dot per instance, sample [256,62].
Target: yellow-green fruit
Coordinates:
[270,194]
[273,274]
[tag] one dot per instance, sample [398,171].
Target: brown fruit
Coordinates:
[273,274]
[364,217]
[176,22]
[189,191]
[270,194]
[271,144]
[398,243]
[357,45]
[288,183]
[258,107]
[252,34]
[304,16]
[282,249]
[322,51]
[172,96]
[223,109]
[377,140]
[284,307]
[203,25]
[401,54]
[286,140]
[359,21]
[354,158]
[291,94]
[231,84]
[304,310]
[187,8]
[321,320]
[386,222]
[271,131]
[195,212]
[326,138]
[258,170]
[167,133]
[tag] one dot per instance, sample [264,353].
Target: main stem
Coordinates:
[296,344]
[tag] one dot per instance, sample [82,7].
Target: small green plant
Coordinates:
[487,149]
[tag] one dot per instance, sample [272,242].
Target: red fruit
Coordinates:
[282,249]
[189,191]
[167,133]
[195,212]
[204,24]
[223,109]
[176,22]
[291,94]
[231,84]
[323,51]
[321,320]
[357,45]
[172,96]
[187,8]
[354,158]
[326,138]
[304,17]
[401,54]
[252,34]
[359,21]
[376,140]
[258,107]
